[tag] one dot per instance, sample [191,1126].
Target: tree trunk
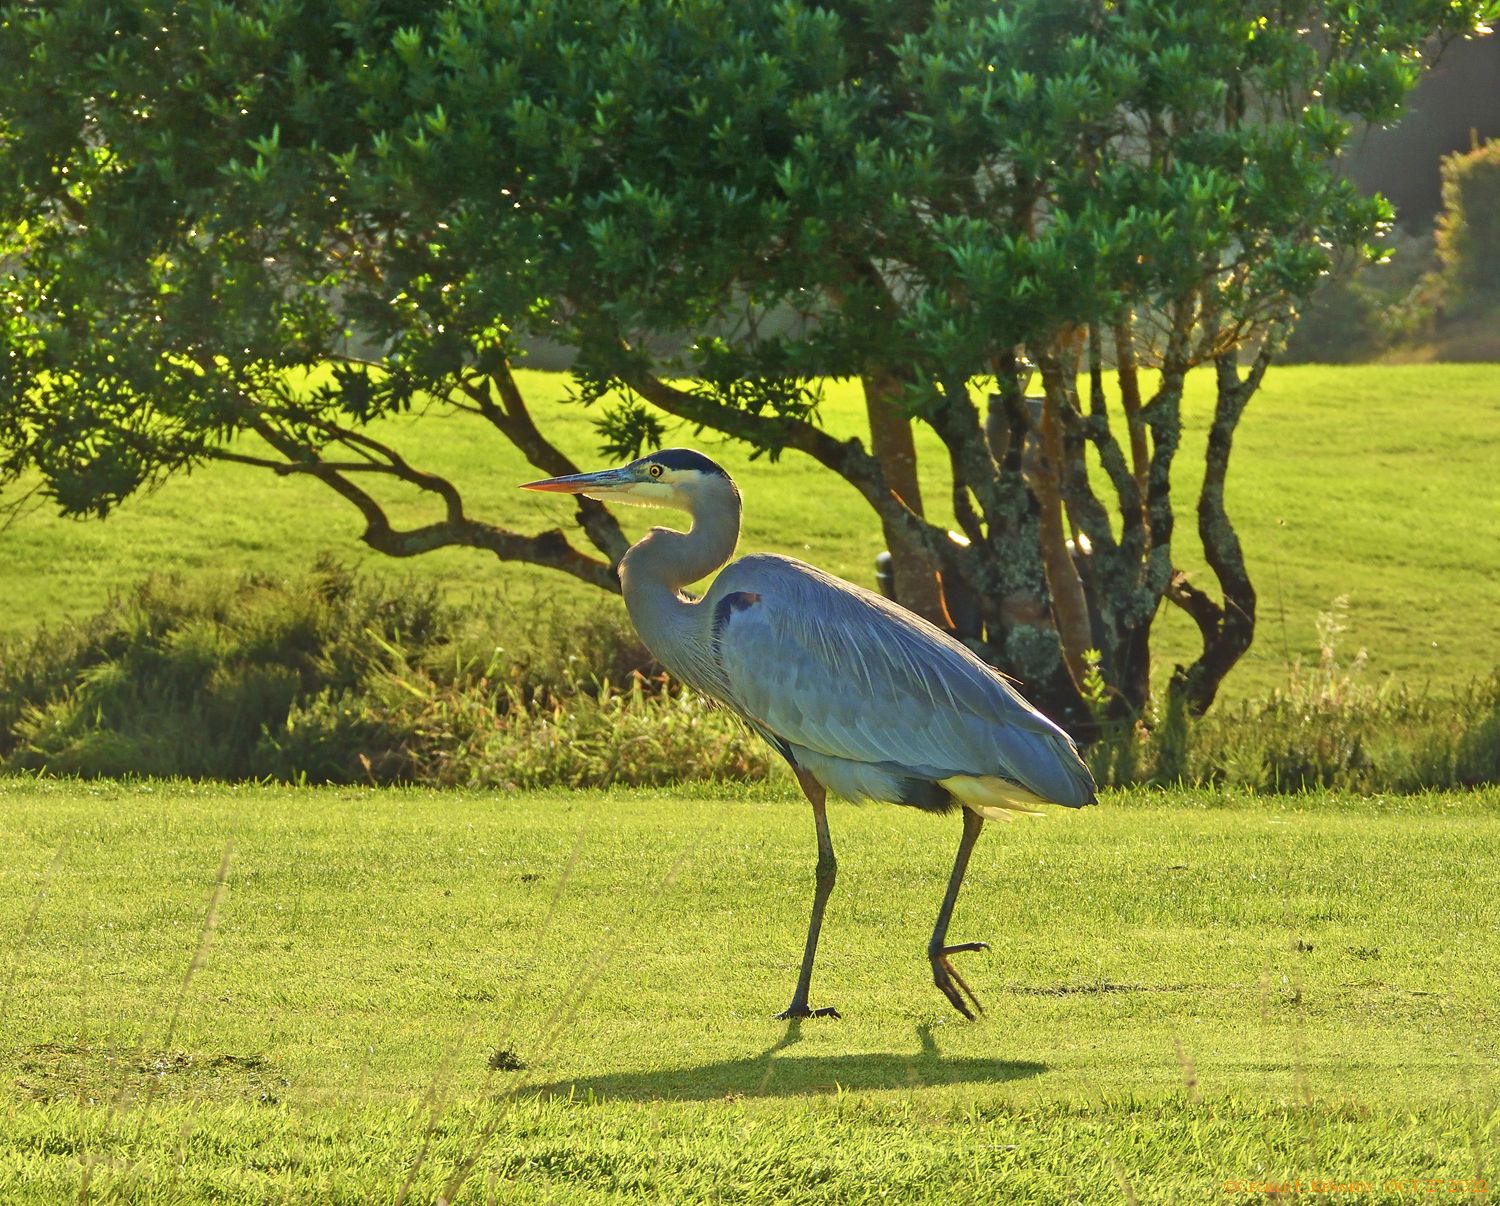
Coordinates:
[918,584]
[1069,606]
[1226,629]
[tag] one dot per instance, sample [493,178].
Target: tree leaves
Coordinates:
[200,203]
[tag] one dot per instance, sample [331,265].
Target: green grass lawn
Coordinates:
[1373,482]
[1185,990]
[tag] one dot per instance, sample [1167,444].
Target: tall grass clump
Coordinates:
[327,678]
[1328,727]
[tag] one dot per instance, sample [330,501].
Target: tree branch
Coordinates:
[398,467]
[1069,603]
[957,425]
[1229,638]
[1163,419]
[513,420]
[1073,482]
[549,549]
[1203,611]
[963,506]
[847,458]
[918,579]
[1127,372]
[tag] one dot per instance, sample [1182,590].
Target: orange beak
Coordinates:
[606,481]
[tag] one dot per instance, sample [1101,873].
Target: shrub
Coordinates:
[1468,229]
[1340,324]
[1328,728]
[324,678]
[184,678]
[1363,310]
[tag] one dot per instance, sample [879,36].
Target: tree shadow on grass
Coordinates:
[772,1074]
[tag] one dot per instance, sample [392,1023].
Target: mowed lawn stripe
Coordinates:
[1184,988]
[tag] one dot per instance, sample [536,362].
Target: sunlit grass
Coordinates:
[1184,989]
[1373,482]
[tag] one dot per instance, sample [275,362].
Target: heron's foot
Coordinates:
[804,1011]
[950,983]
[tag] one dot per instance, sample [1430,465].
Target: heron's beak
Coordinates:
[604,482]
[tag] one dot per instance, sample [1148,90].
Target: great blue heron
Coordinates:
[861,697]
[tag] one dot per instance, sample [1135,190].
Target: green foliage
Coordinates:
[1327,728]
[465,727]
[1395,740]
[1362,309]
[326,679]
[197,206]
[186,678]
[1468,230]
[203,213]
[323,678]
[1187,988]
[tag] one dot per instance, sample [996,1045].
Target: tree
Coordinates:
[716,203]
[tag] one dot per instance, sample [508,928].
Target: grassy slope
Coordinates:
[1182,991]
[1376,482]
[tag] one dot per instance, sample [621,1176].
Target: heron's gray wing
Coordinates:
[842,671]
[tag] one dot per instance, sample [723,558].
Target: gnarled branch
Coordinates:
[550,549]
[510,416]
[847,458]
[1229,628]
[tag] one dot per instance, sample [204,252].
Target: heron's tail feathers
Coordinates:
[993,798]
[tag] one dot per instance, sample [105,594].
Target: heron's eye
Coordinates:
[654,471]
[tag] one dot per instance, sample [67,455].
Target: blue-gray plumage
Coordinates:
[863,698]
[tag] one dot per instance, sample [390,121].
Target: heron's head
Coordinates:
[673,477]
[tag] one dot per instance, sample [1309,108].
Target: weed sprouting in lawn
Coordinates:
[503,1059]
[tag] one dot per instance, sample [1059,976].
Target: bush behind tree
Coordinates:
[1437,293]
[1363,310]
[1468,229]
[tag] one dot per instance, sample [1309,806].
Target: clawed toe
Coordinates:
[790,1012]
[951,984]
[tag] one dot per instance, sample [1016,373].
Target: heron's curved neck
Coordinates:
[656,569]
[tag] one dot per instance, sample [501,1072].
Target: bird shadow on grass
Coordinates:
[772,1074]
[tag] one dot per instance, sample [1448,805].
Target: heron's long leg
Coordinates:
[828,869]
[943,974]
